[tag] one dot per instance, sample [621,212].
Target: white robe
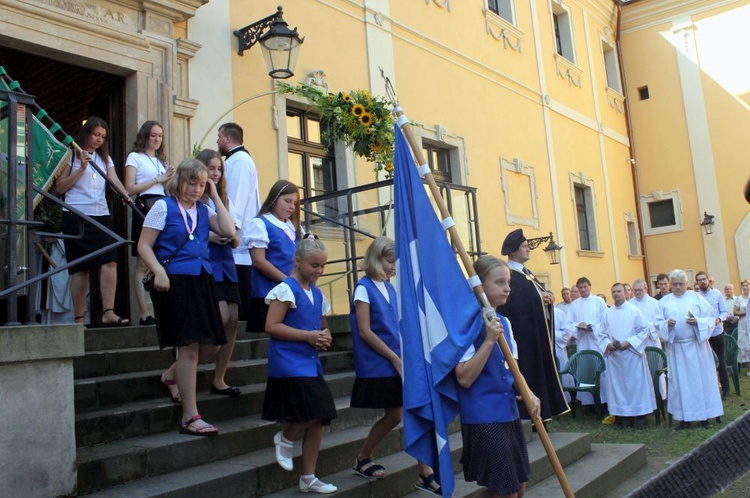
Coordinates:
[630,390]
[591,311]
[650,310]
[562,339]
[693,389]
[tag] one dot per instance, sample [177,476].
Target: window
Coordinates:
[634,248]
[643,93]
[563,30]
[503,8]
[583,204]
[312,165]
[611,67]
[662,212]
[438,158]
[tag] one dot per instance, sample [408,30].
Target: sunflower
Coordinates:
[347,97]
[376,146]
[365,118]
[358,109]
[367,131]
[389,167]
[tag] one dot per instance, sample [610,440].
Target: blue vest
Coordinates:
[194,254]
[368,363]
[280,253]
[491,398]
[294,358]
[222,262]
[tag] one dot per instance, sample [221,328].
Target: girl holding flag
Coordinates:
[377,357]
[494,446]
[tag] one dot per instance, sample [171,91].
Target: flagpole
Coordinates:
[489,311]
[13,85]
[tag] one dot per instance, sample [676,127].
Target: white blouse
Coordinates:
[88,194]
[282,292]
[146,169]
[256,233]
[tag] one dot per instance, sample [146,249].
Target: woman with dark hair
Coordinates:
[146,171]
[84,189]
[272,237]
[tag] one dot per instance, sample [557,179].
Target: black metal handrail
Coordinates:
[340,213]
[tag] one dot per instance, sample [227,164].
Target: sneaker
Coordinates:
[283,452]
[317,486]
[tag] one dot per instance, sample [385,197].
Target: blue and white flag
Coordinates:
[439,319]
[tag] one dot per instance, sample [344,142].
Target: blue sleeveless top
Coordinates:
[194,255]
[368,363]
[280,253]
[294,358]
[491,398]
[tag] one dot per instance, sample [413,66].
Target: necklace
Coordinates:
[93,159]
[189,229]
[156,162]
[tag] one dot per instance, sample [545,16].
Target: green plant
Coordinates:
[362,121]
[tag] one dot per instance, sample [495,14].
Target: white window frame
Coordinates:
[657,196]
[581,180]
[508,166]
[567,40]
[611,66]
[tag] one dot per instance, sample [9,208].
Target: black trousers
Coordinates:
[717,344]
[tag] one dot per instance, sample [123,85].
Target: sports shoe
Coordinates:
[317,486]
[283,452]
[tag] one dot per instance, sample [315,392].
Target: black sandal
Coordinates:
[368,468]
[120,322]
[429,484]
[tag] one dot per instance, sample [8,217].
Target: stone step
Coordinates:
[127,360]
[142,418]
[247,439]
[596,474]
[112,390]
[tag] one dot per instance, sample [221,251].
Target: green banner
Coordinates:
[50,156]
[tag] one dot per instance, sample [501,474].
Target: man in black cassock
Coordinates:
[529,309]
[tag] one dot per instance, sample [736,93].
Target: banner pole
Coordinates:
[489,312]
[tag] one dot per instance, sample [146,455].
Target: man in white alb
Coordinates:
[242,190]
[583,322]
[686,321]
[630,391]
[649,308]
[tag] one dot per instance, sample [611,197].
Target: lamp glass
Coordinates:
[280,54]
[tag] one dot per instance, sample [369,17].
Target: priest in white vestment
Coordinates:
[630,390]
[562,339]
[584,319]
[649,308]
[686,323]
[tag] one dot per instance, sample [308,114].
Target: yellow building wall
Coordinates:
[651,42]
[503,100]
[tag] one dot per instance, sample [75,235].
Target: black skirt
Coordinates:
[93,239]
[188,312]
[226,290]
[298,399]
[377,392]
[145,203]
[495,456]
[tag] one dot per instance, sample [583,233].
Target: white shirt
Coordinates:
[157,215]
[256,232]
[242,188]
[87,194]
[282,292]
[360,293]
[146,169]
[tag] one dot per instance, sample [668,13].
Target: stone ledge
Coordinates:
[40,342]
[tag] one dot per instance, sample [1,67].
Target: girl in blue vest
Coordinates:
[377,357]
[296,391]
[184,299]
[272,238]
[224,272]
[494,446]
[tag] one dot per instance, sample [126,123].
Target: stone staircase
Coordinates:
[128,444]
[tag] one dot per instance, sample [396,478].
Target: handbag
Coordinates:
[145,203]
[149,277]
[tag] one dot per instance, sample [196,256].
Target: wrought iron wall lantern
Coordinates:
[280,44]
[552,250]
[708,223]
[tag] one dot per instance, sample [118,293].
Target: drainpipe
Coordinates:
[629,125]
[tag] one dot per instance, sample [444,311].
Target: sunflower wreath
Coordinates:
[361,121]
